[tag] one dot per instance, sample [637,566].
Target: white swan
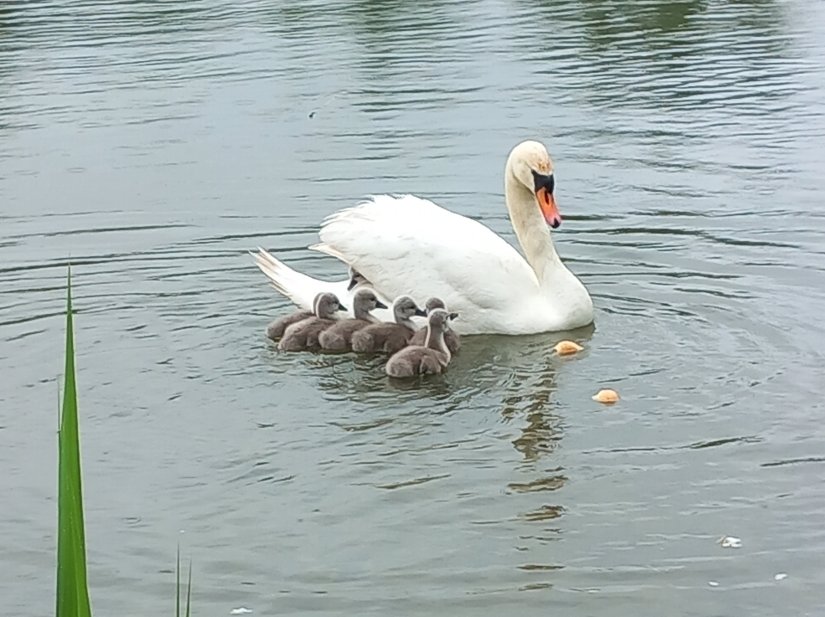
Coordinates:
[410,246]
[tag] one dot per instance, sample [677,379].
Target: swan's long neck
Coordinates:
[532,232]
[435,340]
[405,321]
[362,311]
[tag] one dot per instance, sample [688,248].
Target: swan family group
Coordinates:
[412,351]
[398,248]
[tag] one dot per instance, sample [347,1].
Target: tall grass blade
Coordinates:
[72,591]
[189,588]
[177,585]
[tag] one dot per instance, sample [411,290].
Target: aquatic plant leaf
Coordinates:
[72,591]
[189,589]
[177,586]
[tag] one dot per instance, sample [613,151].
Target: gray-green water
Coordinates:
[155,142]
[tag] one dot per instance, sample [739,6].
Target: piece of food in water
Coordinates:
[606,396]
[565,348]
[730,542]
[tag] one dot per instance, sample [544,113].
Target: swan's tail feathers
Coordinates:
[327,250]
[299,288]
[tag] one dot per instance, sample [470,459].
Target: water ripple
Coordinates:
[153,143]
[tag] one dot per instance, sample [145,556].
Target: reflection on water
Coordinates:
[549,483]
[156,142]
[712,63]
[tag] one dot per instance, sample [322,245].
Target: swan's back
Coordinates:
[304,335]
[338,337]
[410,246]
[416,360]
[276,329]
[381,337]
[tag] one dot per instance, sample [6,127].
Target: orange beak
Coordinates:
[547,205]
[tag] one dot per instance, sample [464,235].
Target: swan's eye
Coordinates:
[542,181]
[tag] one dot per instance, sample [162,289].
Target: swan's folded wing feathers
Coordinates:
[406,244]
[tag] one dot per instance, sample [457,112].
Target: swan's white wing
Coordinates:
[409,245]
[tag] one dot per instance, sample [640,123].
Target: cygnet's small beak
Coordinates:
[352,283]
[544,186]
[420,312]
[453,316]
[341,307]
[379,304]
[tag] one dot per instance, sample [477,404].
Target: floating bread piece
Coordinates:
[565,348]
[608,397]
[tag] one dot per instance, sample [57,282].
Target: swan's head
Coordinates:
[439,319]
[434,303]
[355,278]
[326,304]
[531,165]
[404,308]
[365,301]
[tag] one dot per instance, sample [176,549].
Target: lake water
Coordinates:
[154,143]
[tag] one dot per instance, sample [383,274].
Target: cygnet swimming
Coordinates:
[275,330]
[431,358]
[389,337]
[338,337]
[303,335]
[450,336]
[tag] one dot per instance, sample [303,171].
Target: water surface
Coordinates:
[155,143]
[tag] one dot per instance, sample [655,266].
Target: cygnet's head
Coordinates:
[439,319]
[355,278]
[365,301]
[434,303]
[326,304]
[530,164]
[404,308]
